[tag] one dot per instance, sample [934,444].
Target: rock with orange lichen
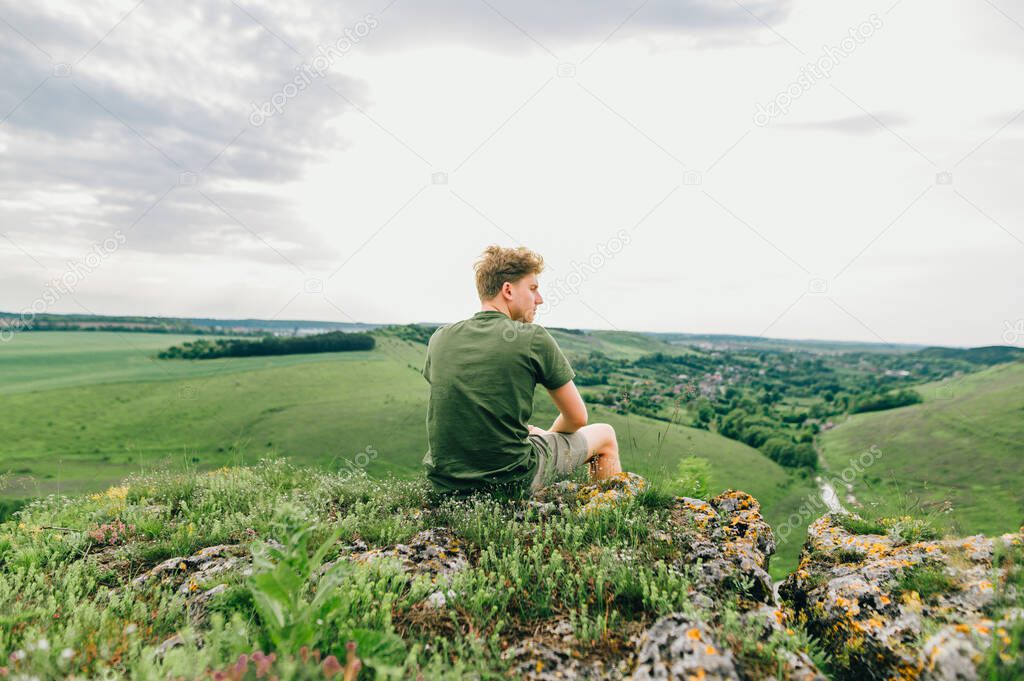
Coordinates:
[534,660]
[682,647]
[569,495]
[775,620]
[859,595]
[729,540]
[202,564]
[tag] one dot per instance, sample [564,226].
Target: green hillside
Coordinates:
[101,407]
[620,344]
[965,443]
[59,359]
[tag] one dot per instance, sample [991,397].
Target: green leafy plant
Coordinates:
[299,602]
[290,607]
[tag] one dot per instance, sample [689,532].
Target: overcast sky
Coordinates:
[804,169]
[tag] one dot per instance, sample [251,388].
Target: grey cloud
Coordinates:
[141,109]
[514,25]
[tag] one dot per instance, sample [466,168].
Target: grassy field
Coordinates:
[82,410]
[964,444]
[47,360]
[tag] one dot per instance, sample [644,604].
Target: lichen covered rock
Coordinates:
[730,540]
[187,572]
[536,660]
[885,607]
[590,497]
[436,552]
[681,647]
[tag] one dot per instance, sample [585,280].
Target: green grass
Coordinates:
[964,444]
[905,528]
[861,526]
[926,580]
[62,579]
[101,407]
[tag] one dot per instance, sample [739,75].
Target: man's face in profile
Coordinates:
[525,299]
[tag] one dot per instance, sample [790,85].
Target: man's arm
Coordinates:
[553,369]
[572,411]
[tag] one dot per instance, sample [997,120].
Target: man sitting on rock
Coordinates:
[483,372]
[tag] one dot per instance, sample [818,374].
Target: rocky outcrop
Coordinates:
[886,607]
[188,574]
[538,660]
[606,580]
[730,541]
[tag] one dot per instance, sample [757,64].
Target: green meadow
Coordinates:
[84,409]
[964,444]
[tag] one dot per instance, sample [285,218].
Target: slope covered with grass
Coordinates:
[964,444]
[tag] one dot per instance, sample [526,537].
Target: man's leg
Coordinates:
[602,450]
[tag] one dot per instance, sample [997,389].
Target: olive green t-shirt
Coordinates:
[482,373]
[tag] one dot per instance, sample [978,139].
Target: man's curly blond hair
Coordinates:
[497,265]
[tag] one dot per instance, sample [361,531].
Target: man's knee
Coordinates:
[601,436]
[608,432]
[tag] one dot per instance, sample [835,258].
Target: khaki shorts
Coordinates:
[558,456]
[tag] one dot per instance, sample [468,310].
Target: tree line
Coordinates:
[332,341]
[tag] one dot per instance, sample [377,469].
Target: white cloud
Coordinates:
[842,184]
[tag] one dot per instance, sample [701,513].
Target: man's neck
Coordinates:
[491,306]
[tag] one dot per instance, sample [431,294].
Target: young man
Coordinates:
[483,372]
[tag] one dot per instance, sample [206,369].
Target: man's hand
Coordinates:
[534,430]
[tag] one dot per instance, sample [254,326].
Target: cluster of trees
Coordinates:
[764,433]
[333,341]
[595,369]
[415,333]
[992,354]
[900,398]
